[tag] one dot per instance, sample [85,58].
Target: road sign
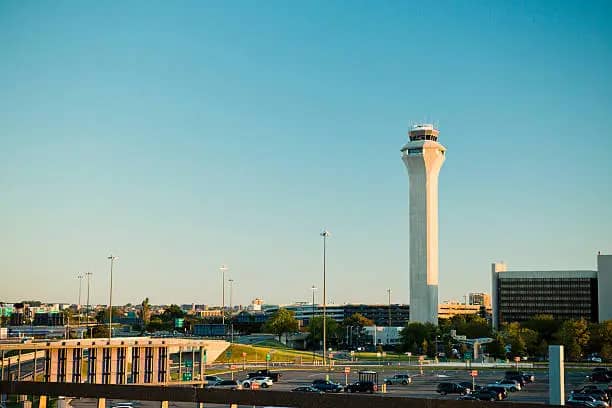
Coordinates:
[347,370]
[233,367]
[409,354]
[188,363]
[467,355]
[268,357]
[244,354]
[378,354]
[228,354]
[517,359]
[474,373]
[187,376]
[421,358]
[254,385]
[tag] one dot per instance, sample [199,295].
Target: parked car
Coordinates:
[306,388]
[513,385]
[526,377]
[212,379]
[600,376]
[452,388]
[509,387]
[263,382]
[470,385]
[398,379]
[572,403]
[361,386]
[588,398]
[501,392]
[593,390]
[226,385]
[327,386]
[482,395]
[265,373]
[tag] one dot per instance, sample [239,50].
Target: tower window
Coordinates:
[415,152]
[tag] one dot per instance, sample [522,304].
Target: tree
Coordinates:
[172,312]
[145,312]
[416,335]
[282,322]
[497,347]
[355,325]
[574,336]
[315,328]
[100,330]
[544,324]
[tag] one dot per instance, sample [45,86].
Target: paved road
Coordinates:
[422,386]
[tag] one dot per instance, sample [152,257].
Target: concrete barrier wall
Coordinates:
[253,398]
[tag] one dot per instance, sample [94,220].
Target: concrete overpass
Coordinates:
[133,360]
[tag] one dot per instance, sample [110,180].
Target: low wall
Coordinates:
[253,398]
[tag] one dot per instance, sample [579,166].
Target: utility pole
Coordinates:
[313,288]
[88,274]
[112,259]
[324,234]
[231,282]
[389,292]
[80,277]
[223,268]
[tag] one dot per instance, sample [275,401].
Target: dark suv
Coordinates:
[327,386]
[452,388]
[361,386]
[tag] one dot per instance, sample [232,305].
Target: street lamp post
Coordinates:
[313,288]
[389,292]
[80,277]
[324,234]
[223,268]
[112,259]
[88,274]
[231,282]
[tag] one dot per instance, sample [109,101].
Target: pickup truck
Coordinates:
[265,373]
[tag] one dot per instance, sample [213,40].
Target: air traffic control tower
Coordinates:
[423,156]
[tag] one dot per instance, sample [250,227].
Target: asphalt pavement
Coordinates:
[422,386]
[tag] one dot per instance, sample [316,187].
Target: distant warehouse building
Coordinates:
[520,295]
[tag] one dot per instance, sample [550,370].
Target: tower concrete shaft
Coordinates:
[423,156]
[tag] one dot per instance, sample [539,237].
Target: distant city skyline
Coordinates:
[185,136]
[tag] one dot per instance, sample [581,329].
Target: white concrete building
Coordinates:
[423,156]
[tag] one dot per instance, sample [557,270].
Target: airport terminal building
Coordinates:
[520,295]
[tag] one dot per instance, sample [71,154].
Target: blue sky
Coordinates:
[180,136]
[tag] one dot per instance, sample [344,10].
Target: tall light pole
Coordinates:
[313,288]
[223,268]
[112,259]
[389,292]
[324,234]
[80,277]
[231,283]
[88,274]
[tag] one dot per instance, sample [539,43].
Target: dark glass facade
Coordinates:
[564,298]
[400,314]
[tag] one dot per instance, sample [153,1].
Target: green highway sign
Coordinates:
[186,376]
[467,355]
[228,354]
[268,357]
[188,363]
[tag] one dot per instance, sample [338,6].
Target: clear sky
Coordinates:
[183,135]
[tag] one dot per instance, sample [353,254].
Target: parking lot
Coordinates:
[422,386]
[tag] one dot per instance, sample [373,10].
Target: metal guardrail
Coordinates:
[251,398]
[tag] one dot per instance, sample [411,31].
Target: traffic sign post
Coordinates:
[474,373]
[347,370]
[268,358]
[244,354]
